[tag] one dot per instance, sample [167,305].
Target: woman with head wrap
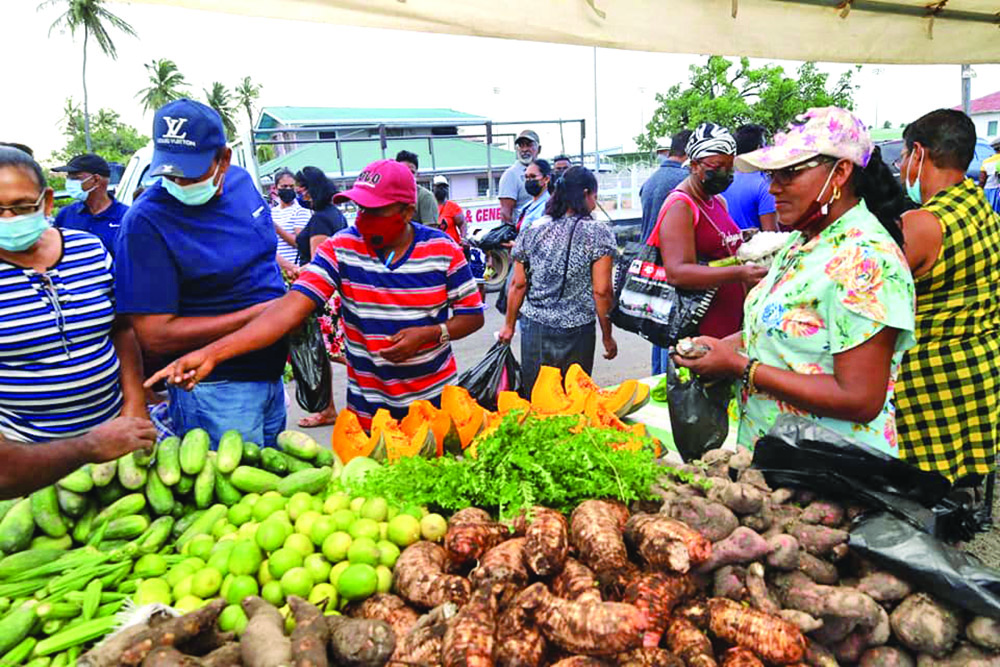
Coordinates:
[694,227]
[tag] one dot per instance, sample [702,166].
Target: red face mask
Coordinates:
[816,210]
[380,231]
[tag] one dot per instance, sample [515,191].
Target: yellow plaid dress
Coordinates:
[948,395]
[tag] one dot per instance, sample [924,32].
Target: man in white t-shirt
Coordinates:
[513,196]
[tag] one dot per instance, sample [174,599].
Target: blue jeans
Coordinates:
[660,356]
[255,409]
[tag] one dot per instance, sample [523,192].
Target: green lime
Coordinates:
[245,558]
[264,573]
[433,527]
[283,560]
[404,530]
[383,531]
[344,518]
[201,546]
[322,527]
[300,543]
[183,587]
[230,617]
[317,504]
[188,603]
[226,583]
[297,582]
[267,506]
[363,550]
[324,594]
[384,575]
[357,582]
[375,509]
[357,504]
[336,501]
[251,499]
[303,525]
[270,535]
[272,593]
[178,572]
[388,553]
[298,504]
[153,590]
[364,528]
[248,531]
[241,587]
[194,563]
[335,546]
[318,567]
[225,531]
[337,570]
[275,494]
[150,565]
[206,583]
[240,513]
[282,516]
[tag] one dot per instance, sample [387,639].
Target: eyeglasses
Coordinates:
[24,209]
[789,174]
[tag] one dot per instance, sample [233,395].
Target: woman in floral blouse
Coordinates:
[824,332]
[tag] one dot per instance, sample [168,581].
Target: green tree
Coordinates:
[247,94]
[91,17]
[733,93]
[166,84]
[219,99]
[112,139]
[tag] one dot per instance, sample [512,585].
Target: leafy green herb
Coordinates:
[542,461]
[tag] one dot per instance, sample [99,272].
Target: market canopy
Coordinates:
[855,31]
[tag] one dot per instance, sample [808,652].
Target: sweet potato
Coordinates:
[742,546]
[656,539]
[760,598]
[729,581]
[796,591]
[754,478]
[784,552]
[389,608]
[966,655]
[468,642]
[576,582]
[693,611]
[690,644]
[924,625]
[655,594]
[648,657]
[885,656]
[740,657]
[761,520]
[311,634]
[818,540]
[769,637]
[741,460]
[716,462]
[740,498]
[419,577]
[824,513]
[588,628]
[884,587]
[174,632]
[422,645]
[818,655]
[782,495]
[596,528]
[519,643]
[854,644]
[817,569]
[801,620]
[984,632]
[504,563]
[471,533]
[714,521]
[263,643]
[839,552]
[546,542]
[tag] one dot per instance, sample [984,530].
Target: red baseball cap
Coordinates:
[383,182]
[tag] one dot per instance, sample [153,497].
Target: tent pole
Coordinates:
[597,145]
[966,89]
[919,11]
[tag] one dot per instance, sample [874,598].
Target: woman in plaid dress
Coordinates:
[948,396]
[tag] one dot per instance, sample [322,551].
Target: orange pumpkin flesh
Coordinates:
[508,401]
[579,387]
[467,416]
[547,396]
[349,439]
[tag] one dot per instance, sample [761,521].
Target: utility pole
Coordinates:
[597,145]
[967,88]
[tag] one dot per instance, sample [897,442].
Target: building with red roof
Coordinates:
[985,113]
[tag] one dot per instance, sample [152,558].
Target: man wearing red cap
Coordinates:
[397,281]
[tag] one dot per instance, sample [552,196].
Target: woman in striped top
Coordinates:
[68,367]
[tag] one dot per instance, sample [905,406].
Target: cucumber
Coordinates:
[127,506]
[298,445]
[203,524]
[46,542]
[310,481]
[168,464]
[16,625]
[6,506]
[143,457]
[83,525]
[72,504]
[130,474]
[160,498]
[184,522]
[156,536]
[230,451]
[194,450]
[204,484]
[45,510]
[17,527]
[126,527]
[185,485]
[227,494]
[23,561]
[254,480]
[103,473]
[110,493]
[297,465]
[274,461]
[325,457]
[80,480]
[251,453]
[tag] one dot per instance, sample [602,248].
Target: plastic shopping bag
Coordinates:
[310,367]
[498,371]
[699,413]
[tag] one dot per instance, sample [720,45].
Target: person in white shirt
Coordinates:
[289,219]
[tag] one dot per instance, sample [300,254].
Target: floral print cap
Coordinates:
[829,131]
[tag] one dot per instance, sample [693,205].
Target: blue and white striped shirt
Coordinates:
[58,367]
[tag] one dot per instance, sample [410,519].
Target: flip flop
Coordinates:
[316,421]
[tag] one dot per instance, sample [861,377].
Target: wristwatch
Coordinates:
[445,336]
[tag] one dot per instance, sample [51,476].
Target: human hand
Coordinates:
[610,347]
[118,437]
[720,360]
[406,342]
[505,334]
[751,274]
[185,372]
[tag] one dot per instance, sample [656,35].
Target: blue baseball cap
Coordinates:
[186,137]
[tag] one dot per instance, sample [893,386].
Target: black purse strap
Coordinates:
[569,247]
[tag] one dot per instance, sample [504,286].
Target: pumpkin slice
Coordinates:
[491,424]
[601,417]
[349,439]
[641,398]
[508,401]
[547,396]
[467,416]
[399,442]
[619,400]
[441,426]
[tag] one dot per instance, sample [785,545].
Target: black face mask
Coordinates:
[534,188]
[441,194]
[716,181]
[286,195]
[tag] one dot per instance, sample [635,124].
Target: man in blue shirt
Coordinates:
[751,204]
[670,174]
[93,209]
[196,261]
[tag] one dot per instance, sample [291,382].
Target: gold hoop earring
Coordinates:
[836,193]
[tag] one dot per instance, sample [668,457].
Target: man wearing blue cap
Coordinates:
[93,209]
[196,261]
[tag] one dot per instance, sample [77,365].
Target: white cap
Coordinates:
[440,180]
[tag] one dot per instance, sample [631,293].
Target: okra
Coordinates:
[48,611]
[24,561]
[92,599]
[16,625]
[19,654]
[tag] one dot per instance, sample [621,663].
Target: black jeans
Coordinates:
[543,345]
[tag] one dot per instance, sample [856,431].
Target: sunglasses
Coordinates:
[789,174]
[25,209]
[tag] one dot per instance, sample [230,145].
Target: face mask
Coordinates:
[441,194]
[195,194]
[380,231]
[302,201]
[716,181]
[534,188]
[816,211]
[286,195]
[22,231]
[913,189]
[74,189]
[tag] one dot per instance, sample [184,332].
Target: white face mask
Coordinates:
[194,194]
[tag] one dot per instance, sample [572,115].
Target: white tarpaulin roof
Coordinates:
[856,31]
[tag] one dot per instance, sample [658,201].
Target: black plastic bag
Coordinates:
[310,367]
[497,236]
[952,575]
[498,371]
[699,413]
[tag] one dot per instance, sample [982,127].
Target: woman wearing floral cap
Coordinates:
[824,332]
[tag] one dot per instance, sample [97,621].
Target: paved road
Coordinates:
[633,361]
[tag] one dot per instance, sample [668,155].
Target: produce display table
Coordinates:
[655,415]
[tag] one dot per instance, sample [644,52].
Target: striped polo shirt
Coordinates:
[58,367]
[379,300]
[289,218]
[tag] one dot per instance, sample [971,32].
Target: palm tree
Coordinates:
[166,84]
[91,17]
[72,117]
[247,93]
[219,99]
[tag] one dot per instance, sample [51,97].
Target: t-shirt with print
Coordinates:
[212,259]
[446,220]
[379,300]
[512,187]
[558,256]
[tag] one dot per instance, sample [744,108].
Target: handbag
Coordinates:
[647,304]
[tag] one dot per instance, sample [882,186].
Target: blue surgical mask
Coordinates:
[913,189]
[195,194]
[22,231]
[74,189]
